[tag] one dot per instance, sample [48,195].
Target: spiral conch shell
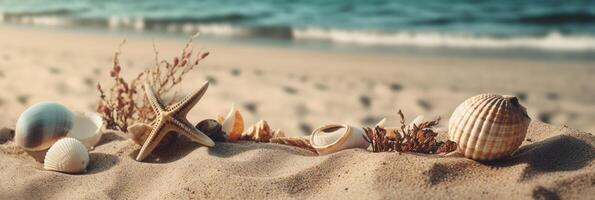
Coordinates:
[333,138]
[67,155]
[488,126]
[232,124]
[261,132]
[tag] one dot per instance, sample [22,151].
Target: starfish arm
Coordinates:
[184,106]
[156,103]
[185,128]
[156,135]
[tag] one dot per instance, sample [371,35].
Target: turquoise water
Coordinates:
[506,24]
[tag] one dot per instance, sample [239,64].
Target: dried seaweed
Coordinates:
[123,104]
[418,138]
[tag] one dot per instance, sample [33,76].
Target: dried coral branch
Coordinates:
[122,104]
[417,138]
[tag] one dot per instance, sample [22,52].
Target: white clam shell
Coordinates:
[333,138]
[67,155]
[488,126]
[42,124]
[87,128]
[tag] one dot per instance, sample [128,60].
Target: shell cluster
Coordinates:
[488,126]
[66,136]
[333,138]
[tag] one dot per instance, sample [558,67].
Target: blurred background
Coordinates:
[302,64]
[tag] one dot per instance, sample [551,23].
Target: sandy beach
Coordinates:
[299,90]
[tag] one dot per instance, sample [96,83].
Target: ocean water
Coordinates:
[545,25]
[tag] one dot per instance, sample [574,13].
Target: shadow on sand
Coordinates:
[559,153]
[225,150]
[176,148]
[99,162]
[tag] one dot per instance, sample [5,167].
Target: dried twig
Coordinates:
[123,104]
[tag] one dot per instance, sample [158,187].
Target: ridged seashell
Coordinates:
[333,138]
[140,131]
[67,155]
[42,124]
[301,142]
[87,128]
[233,124]
[213,129]
[261,132]
[488,126]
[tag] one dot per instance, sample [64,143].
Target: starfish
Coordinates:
[172,118]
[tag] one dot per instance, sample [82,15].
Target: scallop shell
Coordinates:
[87,128]
[233,124]
[67,155]
[42,124]
[488,126]
[333,138]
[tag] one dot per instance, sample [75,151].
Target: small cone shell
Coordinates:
[233,124]
[67,155]
[488,126]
